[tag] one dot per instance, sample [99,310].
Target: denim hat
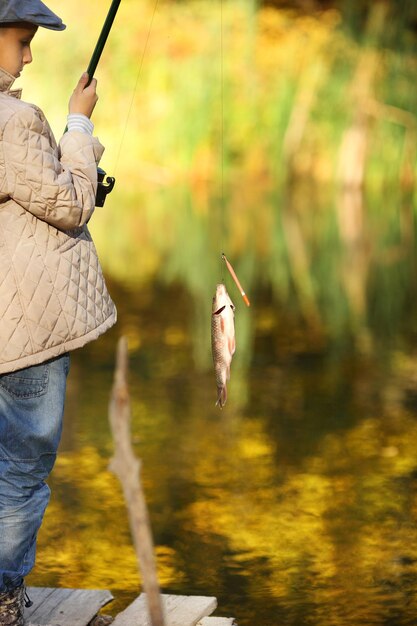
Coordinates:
[31,11]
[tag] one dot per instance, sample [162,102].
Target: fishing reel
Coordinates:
[103,188]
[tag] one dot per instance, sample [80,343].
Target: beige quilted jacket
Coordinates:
[53,297]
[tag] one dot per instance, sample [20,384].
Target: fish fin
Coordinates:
[228,373]
[221,396]
[222,324]
[232,345]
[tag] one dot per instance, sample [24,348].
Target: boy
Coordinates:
[53,298]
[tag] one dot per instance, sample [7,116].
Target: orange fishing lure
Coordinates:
[235,278]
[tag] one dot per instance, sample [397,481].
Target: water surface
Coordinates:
[297,503]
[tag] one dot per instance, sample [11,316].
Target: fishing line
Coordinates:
[222,202]
[222,160]
[222,199]
[135,86]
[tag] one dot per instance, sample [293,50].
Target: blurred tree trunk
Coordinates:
[351,171]
[353,151]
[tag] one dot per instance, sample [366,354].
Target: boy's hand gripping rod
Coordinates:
[103,188]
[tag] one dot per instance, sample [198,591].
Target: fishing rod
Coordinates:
[101,42]
[103,187]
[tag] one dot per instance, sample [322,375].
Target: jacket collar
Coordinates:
[6,81]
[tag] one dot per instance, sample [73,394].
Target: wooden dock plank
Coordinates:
[64,607]
[179,611]
[217,621]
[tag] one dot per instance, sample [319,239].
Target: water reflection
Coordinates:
[296,504]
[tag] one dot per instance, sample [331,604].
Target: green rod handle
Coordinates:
[102,39]
[101,42]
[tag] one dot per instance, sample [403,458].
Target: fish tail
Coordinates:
[221,396]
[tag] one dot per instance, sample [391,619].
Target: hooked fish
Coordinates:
[222,340]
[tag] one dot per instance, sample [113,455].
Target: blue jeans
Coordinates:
[31,410]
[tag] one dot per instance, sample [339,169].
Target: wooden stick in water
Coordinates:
[127,468]
[235,278]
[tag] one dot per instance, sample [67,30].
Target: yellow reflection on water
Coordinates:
[336,530]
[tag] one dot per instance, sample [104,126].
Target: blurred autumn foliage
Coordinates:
[285,134]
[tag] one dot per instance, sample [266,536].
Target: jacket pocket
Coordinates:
[30,382]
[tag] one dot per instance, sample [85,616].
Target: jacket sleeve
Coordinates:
[57,185]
